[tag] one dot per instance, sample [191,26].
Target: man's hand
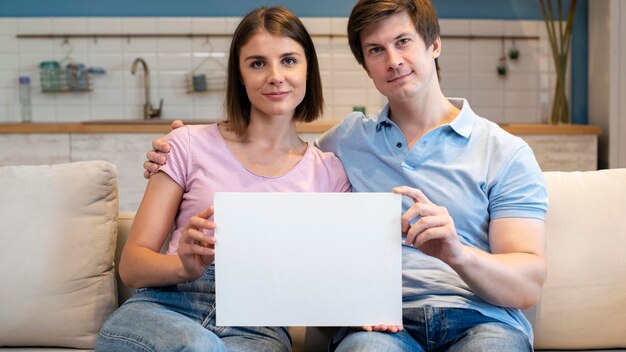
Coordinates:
[434,233]
[156,159]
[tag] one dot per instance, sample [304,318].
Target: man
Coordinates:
[473,252]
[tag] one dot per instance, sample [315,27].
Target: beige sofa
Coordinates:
[60,231]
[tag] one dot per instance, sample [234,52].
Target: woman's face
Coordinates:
[274,72]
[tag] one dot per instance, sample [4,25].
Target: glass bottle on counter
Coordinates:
[25,104]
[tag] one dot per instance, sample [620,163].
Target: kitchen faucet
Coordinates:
[148,111]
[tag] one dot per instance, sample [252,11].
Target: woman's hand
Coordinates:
[383,328]
[196,248]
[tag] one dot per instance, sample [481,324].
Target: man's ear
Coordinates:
[436,47]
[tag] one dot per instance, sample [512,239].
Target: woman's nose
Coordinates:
[276,75]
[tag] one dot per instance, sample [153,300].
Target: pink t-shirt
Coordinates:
[201,163]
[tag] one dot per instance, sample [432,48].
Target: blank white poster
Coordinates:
[308,259]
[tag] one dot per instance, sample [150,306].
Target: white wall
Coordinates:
[469,68]
[607,79]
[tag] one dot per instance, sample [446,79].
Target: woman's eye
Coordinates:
[257,64]
[375,50]
[289,61]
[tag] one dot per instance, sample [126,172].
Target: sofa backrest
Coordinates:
[58,230]
[584,298]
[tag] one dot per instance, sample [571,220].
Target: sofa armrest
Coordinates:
[123,229]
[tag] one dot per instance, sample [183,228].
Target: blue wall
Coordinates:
[472,9]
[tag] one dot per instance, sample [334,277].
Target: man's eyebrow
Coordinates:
[399,36]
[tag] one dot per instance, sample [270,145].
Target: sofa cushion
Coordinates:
[58,232]
[584,298]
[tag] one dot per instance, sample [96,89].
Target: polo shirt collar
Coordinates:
[383,118]
[462,124]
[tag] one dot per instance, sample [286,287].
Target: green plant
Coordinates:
[560,42]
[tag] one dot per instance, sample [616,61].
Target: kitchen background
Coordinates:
[469,65]
[172,38]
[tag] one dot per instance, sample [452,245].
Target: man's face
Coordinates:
[397,59]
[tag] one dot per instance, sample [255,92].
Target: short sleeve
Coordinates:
[519,190]
[177,165]
[341,183]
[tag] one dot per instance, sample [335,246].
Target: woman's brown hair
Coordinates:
[278,21]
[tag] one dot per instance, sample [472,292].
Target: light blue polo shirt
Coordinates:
[471,166]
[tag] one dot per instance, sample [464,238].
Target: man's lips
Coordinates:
[399,78]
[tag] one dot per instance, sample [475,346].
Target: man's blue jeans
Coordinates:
[182,318]
[437,329]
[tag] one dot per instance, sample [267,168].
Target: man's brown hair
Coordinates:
[367,12]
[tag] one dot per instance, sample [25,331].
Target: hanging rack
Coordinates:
[200,82]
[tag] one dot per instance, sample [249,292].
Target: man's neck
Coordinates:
[416,117]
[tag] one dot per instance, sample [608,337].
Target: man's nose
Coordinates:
[394,59]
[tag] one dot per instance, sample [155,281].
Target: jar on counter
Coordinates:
[50,74]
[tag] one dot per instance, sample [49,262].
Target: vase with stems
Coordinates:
[559,30]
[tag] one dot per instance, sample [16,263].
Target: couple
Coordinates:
[473,215]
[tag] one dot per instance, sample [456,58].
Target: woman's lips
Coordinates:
[276,95]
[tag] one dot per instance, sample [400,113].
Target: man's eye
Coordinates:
[375,50]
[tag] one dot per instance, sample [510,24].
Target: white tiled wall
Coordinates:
[468,68]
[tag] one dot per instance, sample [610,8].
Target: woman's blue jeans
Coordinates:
[437,329]
[182,318]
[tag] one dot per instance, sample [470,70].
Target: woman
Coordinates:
[273,81]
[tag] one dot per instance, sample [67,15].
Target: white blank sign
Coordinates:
[308,259]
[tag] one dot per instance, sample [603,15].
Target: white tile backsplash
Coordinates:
[8,25]
[109,112]
[317,25]
[338,25]
[40,46]
[104,25]
[468,68]
[454,27]
[38,25]
[69,25]
[208,25]
[486,27]
[8,43]
[139,25]
[174,25]
[71,113]
[522,28]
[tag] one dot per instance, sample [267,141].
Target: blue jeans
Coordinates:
[182,318]
[437,329]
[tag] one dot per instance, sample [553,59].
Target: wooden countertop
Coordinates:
[314,127]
